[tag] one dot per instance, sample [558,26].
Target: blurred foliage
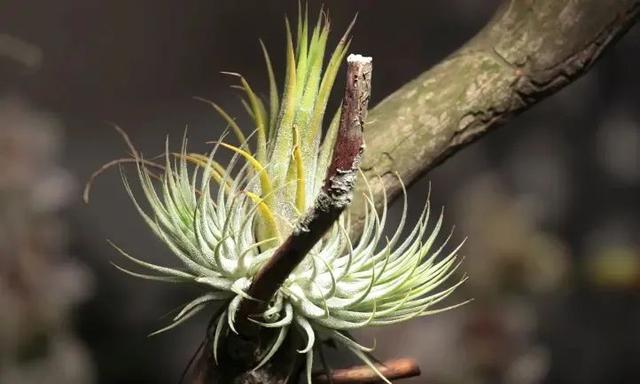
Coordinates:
[614,266]
[516,263]
[39,283]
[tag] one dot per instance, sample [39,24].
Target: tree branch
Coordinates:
[362,374]
[529,51]
[335,196]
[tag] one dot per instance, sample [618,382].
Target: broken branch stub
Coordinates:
[335,196]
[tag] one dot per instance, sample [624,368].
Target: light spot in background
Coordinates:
[618,147]
[21,51]
[613,255]
[536,164]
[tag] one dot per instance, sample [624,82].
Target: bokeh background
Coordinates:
[549,203]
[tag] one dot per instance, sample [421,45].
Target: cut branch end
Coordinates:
[335,196]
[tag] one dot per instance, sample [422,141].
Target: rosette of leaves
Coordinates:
[223,222]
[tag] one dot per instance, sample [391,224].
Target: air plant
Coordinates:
[225,222]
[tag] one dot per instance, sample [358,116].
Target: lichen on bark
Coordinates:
[528,51]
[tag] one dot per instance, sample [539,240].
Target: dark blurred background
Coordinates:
[549,203]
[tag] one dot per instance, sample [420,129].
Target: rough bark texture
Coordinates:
[529,50]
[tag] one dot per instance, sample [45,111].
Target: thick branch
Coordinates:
[392,370]
[336,194]
[529,51]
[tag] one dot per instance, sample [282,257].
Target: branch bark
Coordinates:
[530,50]
[241,351]
[336,195]
[362,374]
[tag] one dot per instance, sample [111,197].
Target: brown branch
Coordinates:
[529,51]
[335,196]
[392,370]
[238,357]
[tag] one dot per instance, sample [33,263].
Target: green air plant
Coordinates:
[224,222]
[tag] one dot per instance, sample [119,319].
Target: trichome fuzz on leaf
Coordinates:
[225,222]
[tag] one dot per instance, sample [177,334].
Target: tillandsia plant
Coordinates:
[265,234]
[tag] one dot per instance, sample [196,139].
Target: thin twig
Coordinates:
[335,196]
[392,370]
